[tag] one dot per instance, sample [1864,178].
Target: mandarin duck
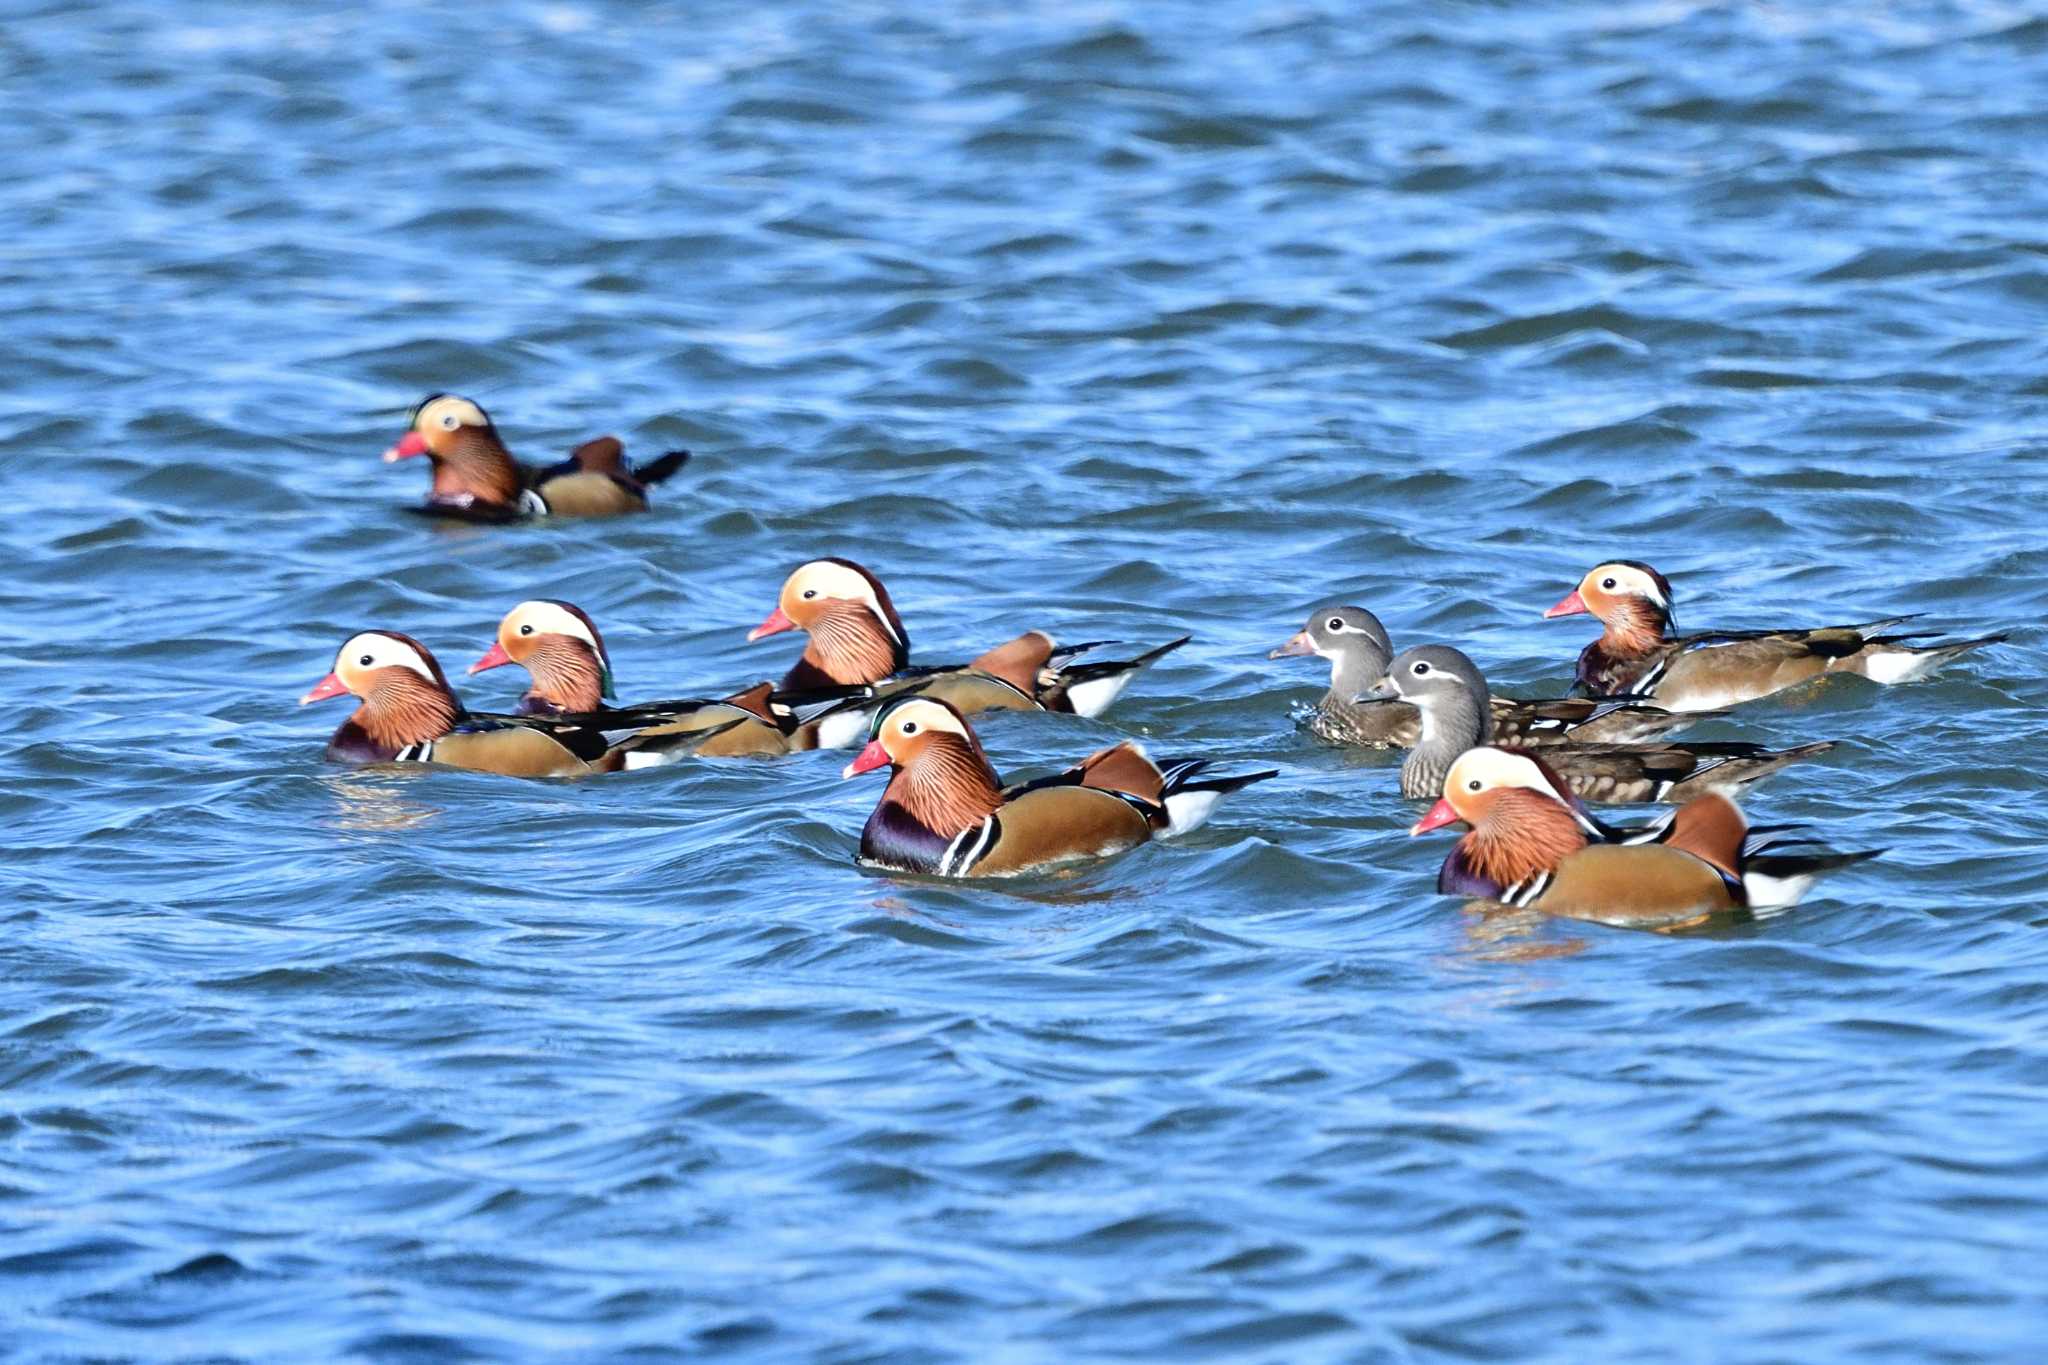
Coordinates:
[1452,696]
[1356,644]
[1638,656]
[570,674]
[858,641]
[1531,844]
[409,714]
[476,478]
[945,812]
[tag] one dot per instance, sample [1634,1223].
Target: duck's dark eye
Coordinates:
[526,630]
[909,727]
[1473,785]
[809,593]
[449,421]
[1336,623]
[1607,583]
[1420,669]
[367,660]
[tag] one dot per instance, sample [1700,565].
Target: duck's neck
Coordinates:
[1525,833]
[1635,626]
[1355,667]
[567,676]
[948,787]
[849,645]
[406,709]
[477,465]
[1451,724]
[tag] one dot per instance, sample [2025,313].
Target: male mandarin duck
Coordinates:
[476,478]
[1637,656]
[1452,697]
[858,641]
[571,676]
[559,646]
[945,812]
[409,714]
[1530,844]
[1356,644]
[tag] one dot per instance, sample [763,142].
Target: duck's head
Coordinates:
[817,587]
[375,660]
[906,729]
[1429,676]
[437,423]
[1335,632]
[541,623]
[1479,777]
[1619,587]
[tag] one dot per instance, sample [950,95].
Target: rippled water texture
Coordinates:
[1122,320]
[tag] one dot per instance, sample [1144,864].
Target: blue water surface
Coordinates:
[1122,320]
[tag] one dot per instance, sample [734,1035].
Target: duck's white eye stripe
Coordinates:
[384,652]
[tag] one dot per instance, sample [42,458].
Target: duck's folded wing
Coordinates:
[583,493]
[1059,824]
[518,746]
[1647,886]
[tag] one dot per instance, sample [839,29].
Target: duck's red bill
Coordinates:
[1572,605]
[410,444]
[867,760]
[776,623]
[1439,815]
[329,686]
[494,659]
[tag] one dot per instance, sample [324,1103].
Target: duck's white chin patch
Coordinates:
[844,729]
[1188,810]
[640,758]
[1093,697]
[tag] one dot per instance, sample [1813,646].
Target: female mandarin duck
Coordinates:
[571,675]
[1637,656]
[1356,644]
[1452,698]
[476,478]
[858,641]
[409,714]
[945,812]
[1531,845]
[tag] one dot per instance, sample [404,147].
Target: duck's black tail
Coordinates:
[661,466]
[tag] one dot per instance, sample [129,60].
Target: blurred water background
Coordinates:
[1118,319]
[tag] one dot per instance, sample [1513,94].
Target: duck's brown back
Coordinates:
[1059,824]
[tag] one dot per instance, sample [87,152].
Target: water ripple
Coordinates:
[1120,322]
